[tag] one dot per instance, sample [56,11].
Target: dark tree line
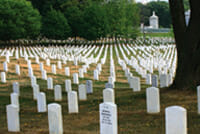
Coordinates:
[60,19]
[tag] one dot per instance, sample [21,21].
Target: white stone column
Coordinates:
[53,68]
[67,71]
[163,80]
[108,118]
[41,102]
[55,119]
[13,118]
[68,87]
[82,92]
[154,80]
[33,81]
[36,90]
[14,98]
[108,95]
[135,83]
[5,66]
[16,88]
[30,72]
[81,74]
[59,65]
[111,80]
[16,54]
[176,120]
[75,78]
[48,63]
[148,79]
[29,64]
[37,60]
[8,56]
[41,66]
[153,100]
[3,77]
[96,75]
[50,83]
[17,68]
[72,102]
[44,75]
[58,93]
[89,86]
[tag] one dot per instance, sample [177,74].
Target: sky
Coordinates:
[146,1]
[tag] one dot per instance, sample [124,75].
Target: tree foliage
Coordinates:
[186,4]
[55,25]
[95,22]
[145,13]
[45,6]
[122,17]
[18,19]
[90,19]
[74,15]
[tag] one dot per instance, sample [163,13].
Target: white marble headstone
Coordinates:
[13,118]
[49,83]
[3,77]
[108,95]
[72,102]
[175,120]
[153,100]
[55,119]
[108,118]
[75,78]
[41,102]
[58,93]
[82,92]
[16,88]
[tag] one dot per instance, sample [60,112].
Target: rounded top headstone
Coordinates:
[175,109]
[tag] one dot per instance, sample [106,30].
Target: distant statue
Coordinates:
[187,17]
[154,21]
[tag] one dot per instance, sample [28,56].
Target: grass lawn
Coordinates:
[132,115]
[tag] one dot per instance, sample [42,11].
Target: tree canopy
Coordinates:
[123,18]
[74,15]
[95,22]
[90,19]
[18,19]
[55,25]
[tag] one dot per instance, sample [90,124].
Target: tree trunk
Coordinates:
[188,44]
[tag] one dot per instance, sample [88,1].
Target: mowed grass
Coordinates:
[131,106]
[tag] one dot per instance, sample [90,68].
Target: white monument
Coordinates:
[154,21]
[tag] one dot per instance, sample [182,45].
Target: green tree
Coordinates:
[116,17]
[144,13]
[95,22]
[18,19]
[45,5]
[186,4]
[132,20]
[55,25]
[122,17]
[74,15]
